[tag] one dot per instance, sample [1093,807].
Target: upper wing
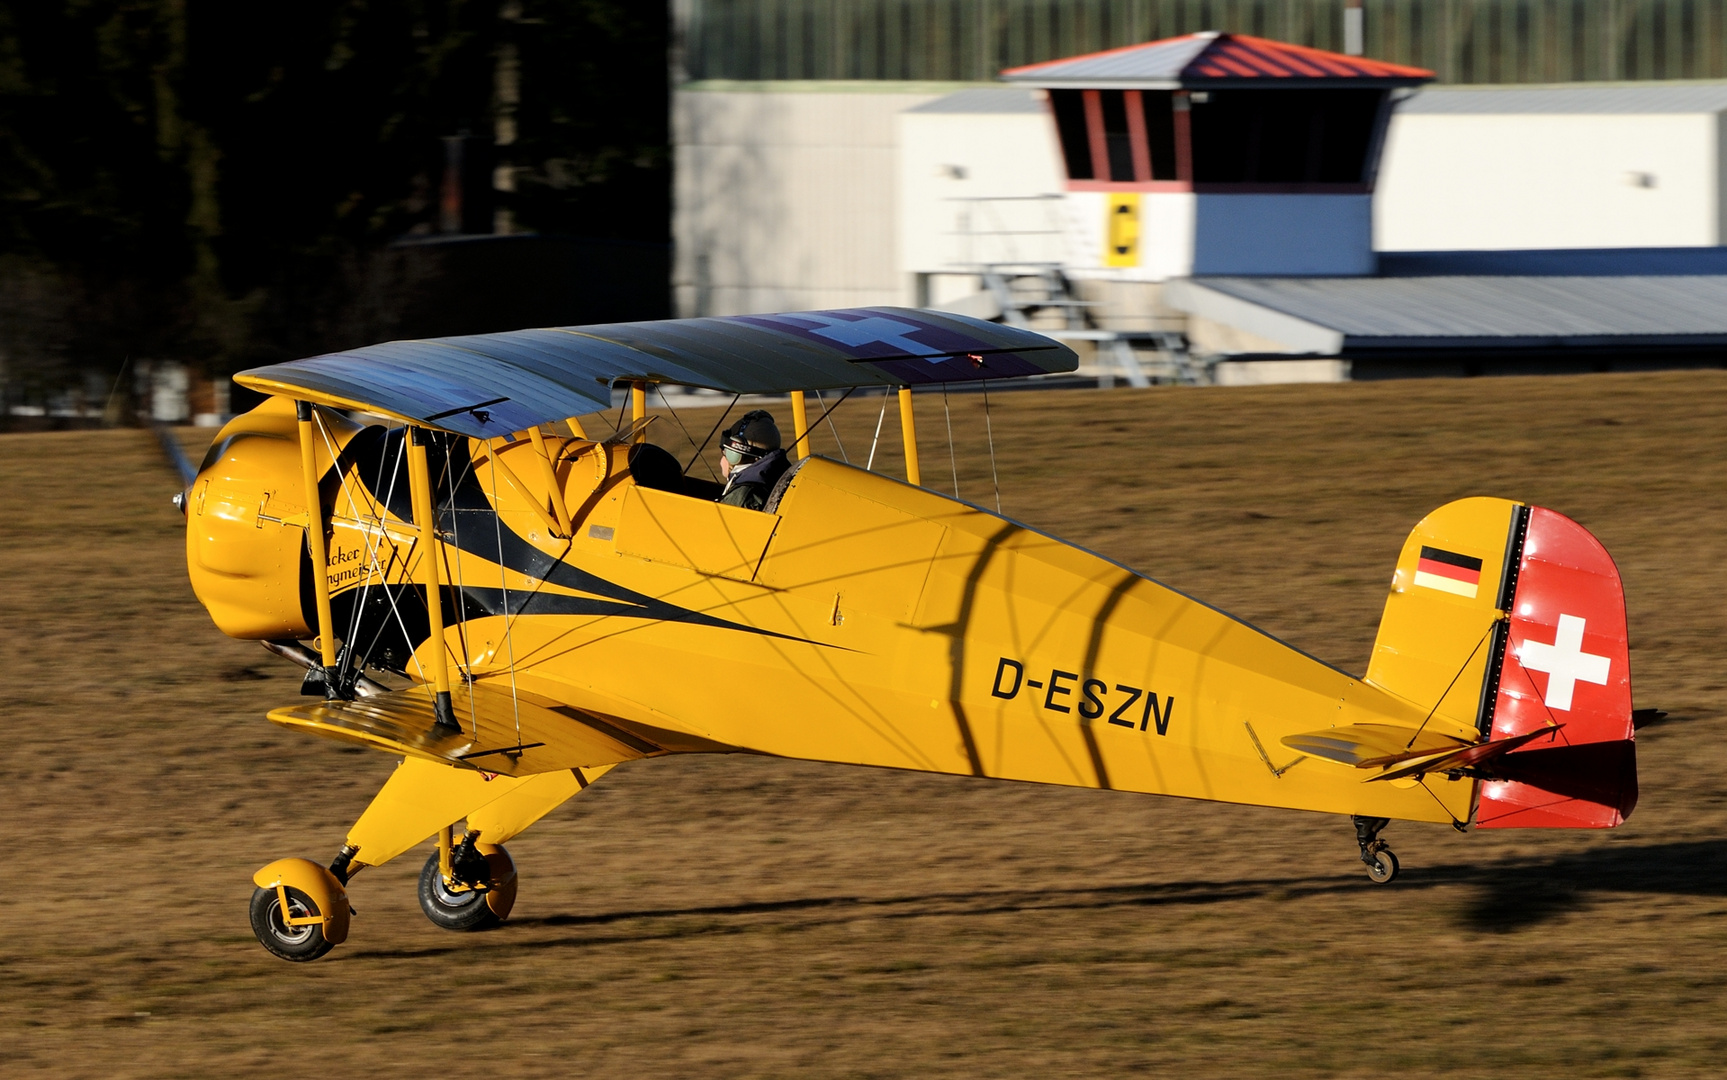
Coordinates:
[493,384]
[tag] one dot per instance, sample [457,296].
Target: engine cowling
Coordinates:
[246,520]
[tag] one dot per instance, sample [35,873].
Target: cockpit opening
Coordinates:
[654,467]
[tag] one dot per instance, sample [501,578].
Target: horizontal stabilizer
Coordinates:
[500,733]
[1367,746]
[1465,757]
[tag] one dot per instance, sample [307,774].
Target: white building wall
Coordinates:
[784,196]
[979,188]
[1473,181]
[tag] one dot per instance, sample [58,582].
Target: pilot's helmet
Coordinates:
[752,437]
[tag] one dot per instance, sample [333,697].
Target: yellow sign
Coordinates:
[1121,230]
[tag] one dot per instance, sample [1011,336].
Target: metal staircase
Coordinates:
[1026,291]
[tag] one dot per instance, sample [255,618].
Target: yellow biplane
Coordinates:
[513,607]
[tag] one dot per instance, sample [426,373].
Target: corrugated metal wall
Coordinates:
[1463,41]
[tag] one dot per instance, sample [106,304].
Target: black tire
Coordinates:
[1383,869]
[296,943]
[453,910]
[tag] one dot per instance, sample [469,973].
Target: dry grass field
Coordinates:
[733,917]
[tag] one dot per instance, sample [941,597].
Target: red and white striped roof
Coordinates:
[1213,59]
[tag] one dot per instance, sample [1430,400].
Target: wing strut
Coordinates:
[908,434]
[420,487]
[801,425]
[551,478]
[638,409]
[315,542]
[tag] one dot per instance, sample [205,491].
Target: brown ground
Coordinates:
[744,917]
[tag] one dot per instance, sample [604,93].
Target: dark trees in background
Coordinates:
[222,182]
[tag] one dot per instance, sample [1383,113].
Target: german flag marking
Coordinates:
[1447,571]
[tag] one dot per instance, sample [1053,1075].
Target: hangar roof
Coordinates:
[1329,316]
[991,99]
[1211,60]
[1640,98]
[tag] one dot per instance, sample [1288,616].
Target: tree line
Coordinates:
[213,181]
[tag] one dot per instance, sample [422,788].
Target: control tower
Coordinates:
[1219,154]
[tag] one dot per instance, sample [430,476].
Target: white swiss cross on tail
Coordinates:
[1565,662]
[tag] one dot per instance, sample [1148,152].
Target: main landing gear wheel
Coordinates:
[482,893]
[1383,868]
[270,923]
[1375,853]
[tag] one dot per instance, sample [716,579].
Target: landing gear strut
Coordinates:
[467,886]
[1376,853]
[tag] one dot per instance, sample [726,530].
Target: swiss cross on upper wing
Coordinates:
[892,334]
[906,348]
[865,335]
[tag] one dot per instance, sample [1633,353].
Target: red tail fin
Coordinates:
[1563,659]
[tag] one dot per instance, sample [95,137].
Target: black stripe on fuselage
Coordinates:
[472,525]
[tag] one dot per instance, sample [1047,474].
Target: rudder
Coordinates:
[1565,660]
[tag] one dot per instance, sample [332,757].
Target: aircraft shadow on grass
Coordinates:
[1510,896]
[1514,895]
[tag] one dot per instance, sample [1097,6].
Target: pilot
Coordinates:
[751,460]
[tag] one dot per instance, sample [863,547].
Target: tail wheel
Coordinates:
[1383,868]
[469,909]
[275,933]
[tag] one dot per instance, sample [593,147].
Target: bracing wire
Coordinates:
[372,544]
[1448,687]
[504,582]
[618,425]
[953,462]
[446,579]
[989,432]
[692,439]
[1539,696]
[878,421]
[822,417]
[456,536]
[461,595]
[446,576]
[366,584]
[711,434]
[383,572]
[353,504]
[834,430]
[1456,822]
[374,526]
